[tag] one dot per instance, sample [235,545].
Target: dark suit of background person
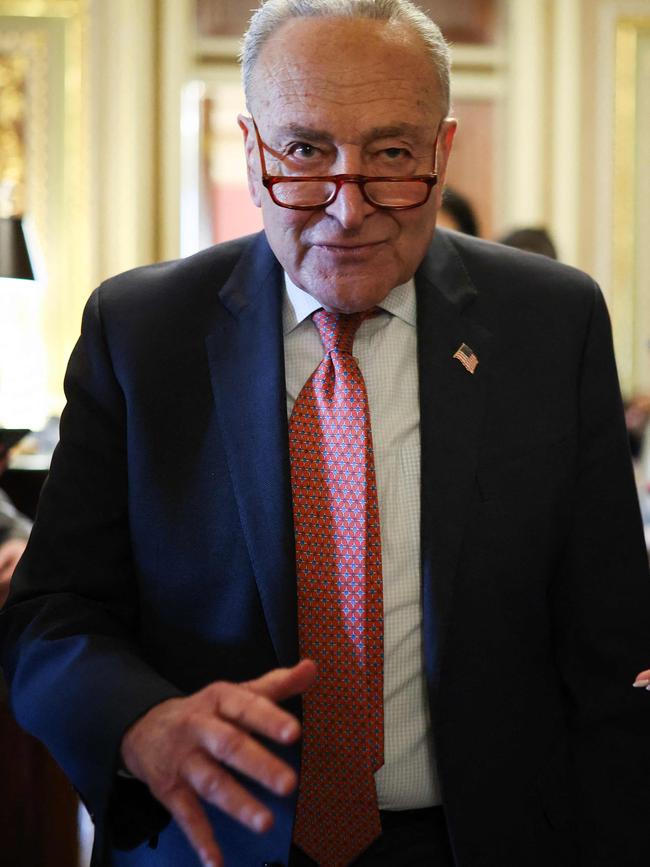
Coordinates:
[173,463]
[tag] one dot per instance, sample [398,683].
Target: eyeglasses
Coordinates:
[308,193]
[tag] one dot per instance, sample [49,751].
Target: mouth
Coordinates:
[347,248]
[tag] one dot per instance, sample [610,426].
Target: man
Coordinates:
[194,544]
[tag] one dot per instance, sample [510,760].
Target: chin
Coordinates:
[351,295]
[351,301]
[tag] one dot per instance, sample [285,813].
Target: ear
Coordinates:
[252,160]
[445,141]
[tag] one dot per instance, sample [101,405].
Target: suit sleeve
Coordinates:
[78,675]
[601,602]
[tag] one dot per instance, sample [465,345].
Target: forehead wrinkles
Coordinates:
[344,61]
[342,92]
[287,90]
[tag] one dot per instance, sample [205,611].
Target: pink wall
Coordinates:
[233,213]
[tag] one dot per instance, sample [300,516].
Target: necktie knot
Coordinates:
[337,330]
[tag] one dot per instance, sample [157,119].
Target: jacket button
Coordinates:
[273,864]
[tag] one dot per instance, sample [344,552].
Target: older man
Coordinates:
[399,458]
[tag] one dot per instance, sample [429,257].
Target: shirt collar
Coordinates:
[298,305]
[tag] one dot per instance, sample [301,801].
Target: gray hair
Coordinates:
[273,13]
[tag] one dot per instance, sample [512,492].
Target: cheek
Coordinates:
[417,229]
[283,229]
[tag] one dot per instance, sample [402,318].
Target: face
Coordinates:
[347,96]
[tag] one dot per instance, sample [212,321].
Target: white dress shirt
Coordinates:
[386,349]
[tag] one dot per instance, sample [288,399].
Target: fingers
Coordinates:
[282,683]
[185,748]
[217,787]
[184,806]
[255,712]
[204,776]
[642,679]
[235,748]
[213,784]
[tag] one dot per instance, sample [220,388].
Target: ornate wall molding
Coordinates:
[629,302]
[51,36]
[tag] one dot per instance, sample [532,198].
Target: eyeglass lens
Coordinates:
[387,193]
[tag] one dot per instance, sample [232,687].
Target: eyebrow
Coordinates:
[407,129]
[376,132]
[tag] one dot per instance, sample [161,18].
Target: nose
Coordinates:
[349,207]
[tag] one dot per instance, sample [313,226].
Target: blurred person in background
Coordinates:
[531,239]
[456,212]
[14,532]
[637,415]
[637,418]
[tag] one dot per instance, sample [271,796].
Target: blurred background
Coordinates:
[119,146]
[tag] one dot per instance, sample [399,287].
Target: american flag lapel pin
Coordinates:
[465,354]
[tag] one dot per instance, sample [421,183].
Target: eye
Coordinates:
[302,150]
[396,153]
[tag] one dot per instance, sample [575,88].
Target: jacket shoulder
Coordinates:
[211,266]
[156,304]
[517,274]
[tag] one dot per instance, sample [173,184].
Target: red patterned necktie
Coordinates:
[340,601]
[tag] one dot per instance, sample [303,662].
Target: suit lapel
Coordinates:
[451,410]
[246,360]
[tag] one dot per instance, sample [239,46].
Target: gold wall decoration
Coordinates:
[43,54]
[13,79]
[23,124]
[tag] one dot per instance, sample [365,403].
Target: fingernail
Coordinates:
[639,683]
[288,731]
[284,783]
[259,821]
[206,860]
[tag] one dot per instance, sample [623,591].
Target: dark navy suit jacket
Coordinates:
[162,558]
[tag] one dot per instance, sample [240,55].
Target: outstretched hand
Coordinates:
[183,749]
